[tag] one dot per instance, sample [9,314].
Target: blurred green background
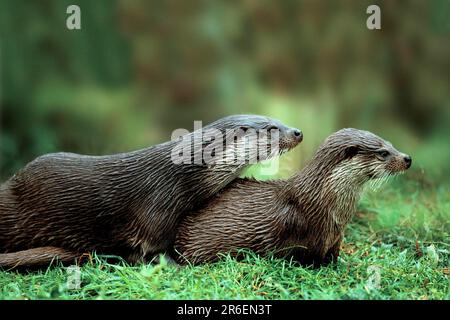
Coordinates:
[139,69]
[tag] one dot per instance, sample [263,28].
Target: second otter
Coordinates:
[303,217]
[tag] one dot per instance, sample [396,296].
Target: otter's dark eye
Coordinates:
[383,153]
[244,128]
[272,128]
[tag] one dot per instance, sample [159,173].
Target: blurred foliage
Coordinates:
[139,69]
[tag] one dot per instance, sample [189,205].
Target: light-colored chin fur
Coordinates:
[381,177]
[379,180]
[344,186]
[347,181]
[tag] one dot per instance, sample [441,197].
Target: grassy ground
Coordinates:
[397,247]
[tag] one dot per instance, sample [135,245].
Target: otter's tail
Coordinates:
[37,257]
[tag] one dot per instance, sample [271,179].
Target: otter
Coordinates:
[126,204]
[303,217]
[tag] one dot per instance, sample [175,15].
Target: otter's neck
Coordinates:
[327,193]
[148,164]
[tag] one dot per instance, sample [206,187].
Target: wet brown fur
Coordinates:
[303,217]
[125,204]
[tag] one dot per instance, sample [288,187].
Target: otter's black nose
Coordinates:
[408,161]
[298,134]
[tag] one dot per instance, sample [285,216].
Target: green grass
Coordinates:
[401,232]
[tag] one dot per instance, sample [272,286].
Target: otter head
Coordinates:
[360,156]
[248,139]
[347,159]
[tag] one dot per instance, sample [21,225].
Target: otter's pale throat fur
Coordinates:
[125,204]
[303,217]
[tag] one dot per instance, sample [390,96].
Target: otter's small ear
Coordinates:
[351,151]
